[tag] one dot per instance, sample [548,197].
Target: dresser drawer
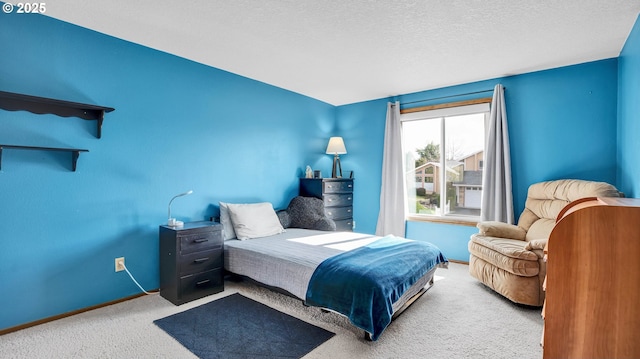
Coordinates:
[339,212]
[201,241]
[198,285]
[335,200]
[344,224]
[338,186]
[200,261]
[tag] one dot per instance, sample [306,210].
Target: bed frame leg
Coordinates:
[367,336]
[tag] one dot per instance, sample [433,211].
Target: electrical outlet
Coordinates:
[119,264]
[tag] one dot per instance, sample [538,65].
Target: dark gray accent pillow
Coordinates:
[308,213]
[283,216]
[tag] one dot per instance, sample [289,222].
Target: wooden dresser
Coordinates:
[337,194]
[191,261]
[592,307]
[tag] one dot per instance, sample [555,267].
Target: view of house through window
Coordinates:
[444,160]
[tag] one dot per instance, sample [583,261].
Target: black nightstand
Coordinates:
[191,261]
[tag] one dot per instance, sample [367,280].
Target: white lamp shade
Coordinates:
[336,146]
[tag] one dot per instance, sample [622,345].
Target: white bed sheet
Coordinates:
[288,260]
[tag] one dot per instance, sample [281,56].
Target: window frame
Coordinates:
[441,112]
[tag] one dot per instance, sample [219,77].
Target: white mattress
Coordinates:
[288,260]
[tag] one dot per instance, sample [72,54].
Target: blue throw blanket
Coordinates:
[364,283]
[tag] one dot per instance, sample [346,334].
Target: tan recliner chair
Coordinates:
[509,258]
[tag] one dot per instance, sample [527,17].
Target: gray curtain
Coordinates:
[497,196]
[392,194]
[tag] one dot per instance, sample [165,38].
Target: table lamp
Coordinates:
[336,147]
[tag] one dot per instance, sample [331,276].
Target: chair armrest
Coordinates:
[501,230]
[536,244]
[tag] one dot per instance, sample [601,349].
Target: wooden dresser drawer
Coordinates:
[338,187]
[339,212]
[190,243]
[198,285]
[344,224]
[335,200]
[201,261]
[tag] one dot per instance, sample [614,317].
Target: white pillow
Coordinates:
[225,220]
[253,220]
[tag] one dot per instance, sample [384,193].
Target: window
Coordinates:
[450,142]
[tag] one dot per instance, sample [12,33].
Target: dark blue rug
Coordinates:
[238,327]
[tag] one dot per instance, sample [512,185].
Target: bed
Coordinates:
[307,264]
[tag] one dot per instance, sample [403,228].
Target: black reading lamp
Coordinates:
[336,147]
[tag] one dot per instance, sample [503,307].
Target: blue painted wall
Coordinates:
[178,125]
[562,124]
[452,239]
[362,128]
[629,115]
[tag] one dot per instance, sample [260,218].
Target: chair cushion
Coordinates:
[501,230]
[507,254]
[519,289]
[540,229]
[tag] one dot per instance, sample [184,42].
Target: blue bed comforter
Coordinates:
[364,283]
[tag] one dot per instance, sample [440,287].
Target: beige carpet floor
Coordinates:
[457,318]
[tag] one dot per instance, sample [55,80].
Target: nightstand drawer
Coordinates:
[200,241]
[338,186]
[201,261]
[339,212]
[334,200]
[198,285]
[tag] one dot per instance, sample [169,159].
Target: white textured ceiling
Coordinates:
[346,51]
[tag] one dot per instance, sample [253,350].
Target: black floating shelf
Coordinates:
[41,105]
[75,152]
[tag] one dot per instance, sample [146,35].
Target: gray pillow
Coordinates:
[308,213]
[283,216]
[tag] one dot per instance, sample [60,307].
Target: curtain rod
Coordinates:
[450,96]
